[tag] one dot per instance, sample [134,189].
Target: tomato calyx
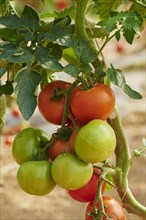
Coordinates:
[58,94]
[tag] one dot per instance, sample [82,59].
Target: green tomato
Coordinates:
[27,144]
[71,173]
[34,177]
[95,142]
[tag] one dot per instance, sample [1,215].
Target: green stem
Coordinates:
[80,19]
[67,93]
[104,44]
[80,27]
[123,163]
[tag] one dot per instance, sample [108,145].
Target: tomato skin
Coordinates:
[61,4]
[71,173]
[34,177]
[95,142]
[95,103]
[52,110]
[27,143]
[87,193]
[112,208]
[60,146]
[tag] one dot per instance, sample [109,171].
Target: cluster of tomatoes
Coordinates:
[68,161]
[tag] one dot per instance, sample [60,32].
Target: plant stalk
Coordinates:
[123,163]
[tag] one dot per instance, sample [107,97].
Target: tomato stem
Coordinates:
[123,163]
[67,93]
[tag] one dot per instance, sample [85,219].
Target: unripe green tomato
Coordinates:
[27,144]
[95,142]
[71,173]
[34,177]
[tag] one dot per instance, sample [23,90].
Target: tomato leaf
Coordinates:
[7,88]
[2,111]
[109,24]
[71,70]
[2,71]
[118,79]
[103,8]
[30,13]
[8,34]
[59,34]
[27,80]
[43,57]
[83,51]
[99,73]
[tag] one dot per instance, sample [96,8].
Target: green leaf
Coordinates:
[55,51]
[118,79]
[26,34]
[12,21]
[117,35]
[131,25]
[42,56]
[140,9]
[8,34]
[30,13]
[7,88]
[67,11]
[52,65]
[131,93]
[99,73]
[83,51]
[109,24]
[21,55]
[59,34]
[2,71]
[2,111]
[27,81]
[103,8]
[69,56]
[71,70]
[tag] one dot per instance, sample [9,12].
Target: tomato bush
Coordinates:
[27,144]
[34,177]
[34,48]
[95,142]
[112,208]
[95,103]
[51,102]
[71,173]
[87,193]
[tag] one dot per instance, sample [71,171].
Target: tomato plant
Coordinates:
[95,103]
[95,142]
[87,193]
[27,144]
[34,177]
[66,43]
[51,101]
[113,209]
[71,173]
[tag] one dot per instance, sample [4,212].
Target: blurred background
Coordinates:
[16,204]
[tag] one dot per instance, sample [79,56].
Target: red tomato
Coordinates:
[9,139]
[87,193]
[16,113]
[50,106]
[95,103]
[61,4]
[112,208]
[60,146]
